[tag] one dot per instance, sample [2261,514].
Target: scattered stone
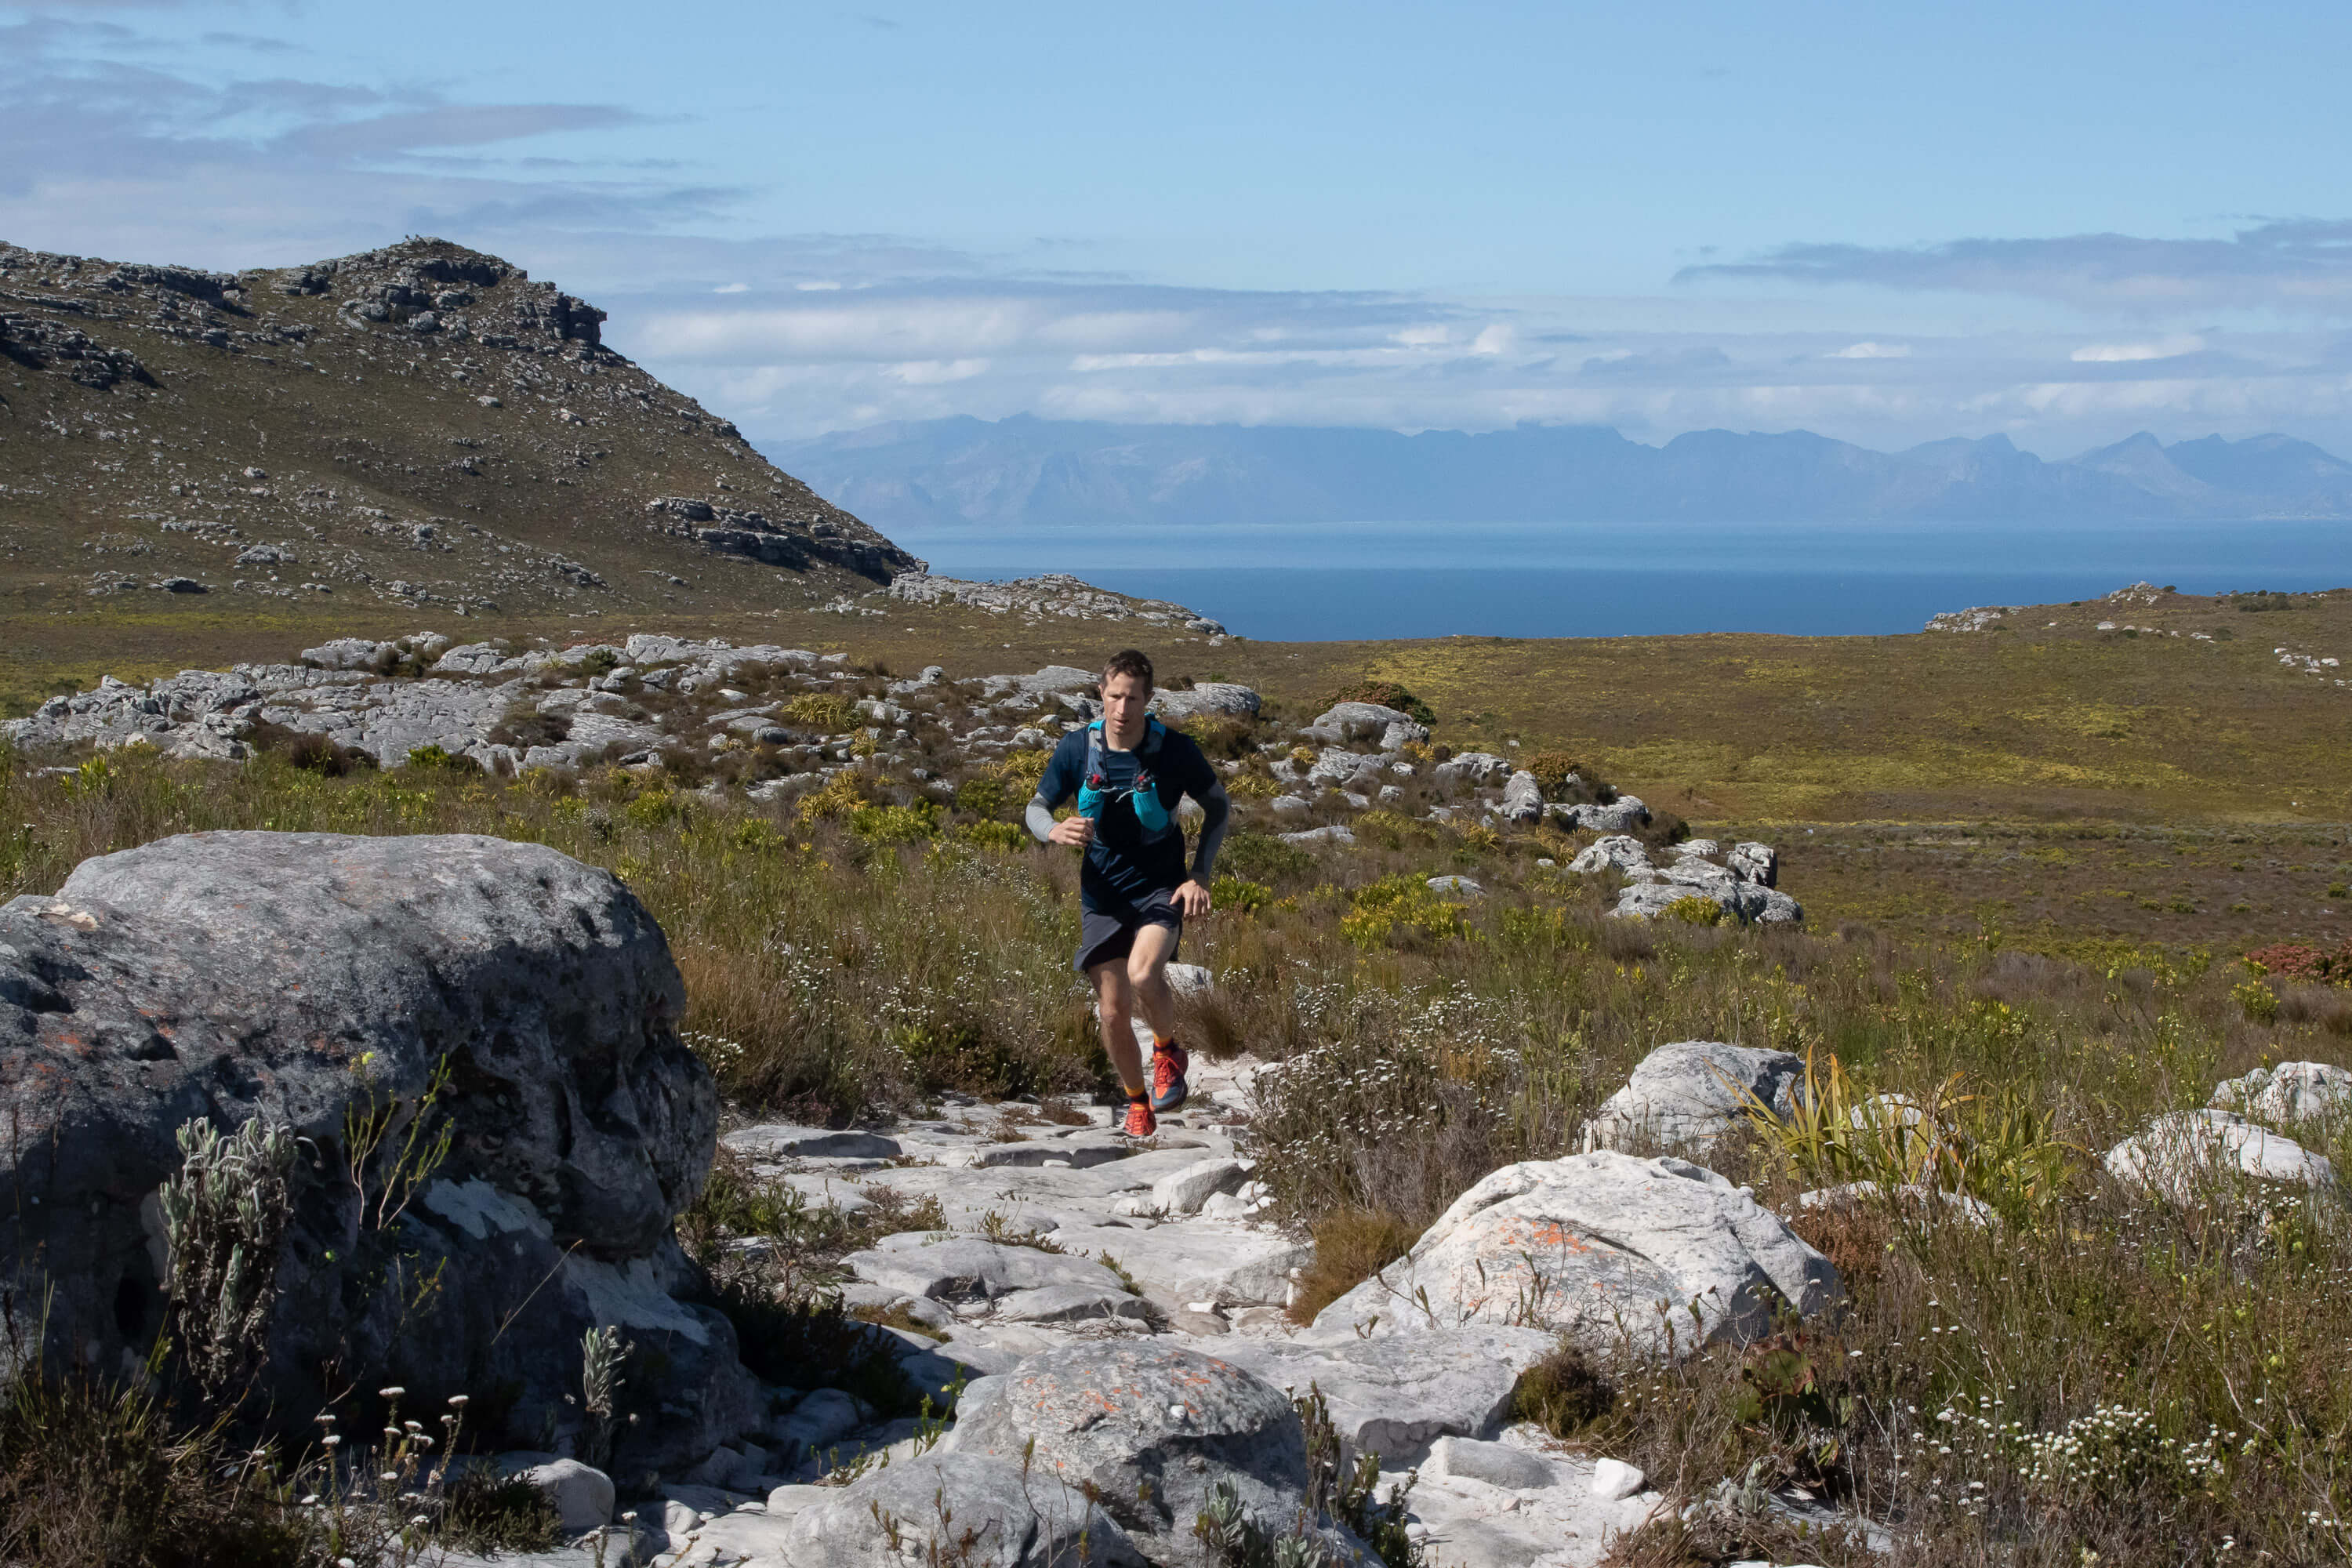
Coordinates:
[1614,1479]
[2287,1094]
[966,1508]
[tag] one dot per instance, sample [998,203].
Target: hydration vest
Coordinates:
[1095,796]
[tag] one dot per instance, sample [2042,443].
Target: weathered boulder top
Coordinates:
[230,974]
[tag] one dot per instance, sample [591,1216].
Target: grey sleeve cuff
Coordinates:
[1214,808]
[1040,818]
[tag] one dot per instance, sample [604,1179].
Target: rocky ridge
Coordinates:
[420,425]
[766,723]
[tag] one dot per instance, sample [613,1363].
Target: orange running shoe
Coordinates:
[1169,1063]
[1140,1123]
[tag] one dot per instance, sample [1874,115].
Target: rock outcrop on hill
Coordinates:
[420,425]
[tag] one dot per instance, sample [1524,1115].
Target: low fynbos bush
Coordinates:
[1403,906]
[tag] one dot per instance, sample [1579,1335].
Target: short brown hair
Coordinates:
[1131,661]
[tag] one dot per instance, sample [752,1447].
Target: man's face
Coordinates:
[1123,700]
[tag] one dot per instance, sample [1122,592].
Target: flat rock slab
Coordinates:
[1229,1263]
[783,1140]
[968,1268]
[1395,1396]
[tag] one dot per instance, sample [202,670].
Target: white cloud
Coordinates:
[732,288]
[819,285]
[937,372]
[2127,354]
[1872,351]
[1498,338]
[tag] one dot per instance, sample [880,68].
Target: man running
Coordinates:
[1128,772]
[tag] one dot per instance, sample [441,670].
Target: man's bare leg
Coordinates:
[1114,1003]
[1147,976]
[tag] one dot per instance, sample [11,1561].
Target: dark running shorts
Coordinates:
[1104,935]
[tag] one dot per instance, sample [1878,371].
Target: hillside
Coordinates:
[421,426]
[1027,471]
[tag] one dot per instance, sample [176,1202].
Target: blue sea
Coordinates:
[1322,582]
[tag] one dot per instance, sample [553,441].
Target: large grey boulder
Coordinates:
[1619,851]
[1150,1430]
[983,1512]
[316,980]
[2287,1094]
[1473,768]
[1688,1093]
[1344,722]
[1658,1255]
[1210,698]
[1743,902]
[2184,1153]
[1753,862]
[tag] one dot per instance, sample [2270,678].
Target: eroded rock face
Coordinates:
[2288,1093]
[1657,1254]
[1152,1429]
[318,979]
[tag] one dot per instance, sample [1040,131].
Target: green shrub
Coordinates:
[821,710]
[898,824]
[1402,905]
[1005,835]
[1235,896]
[1263,857]
[2257,1001]
[1696,910]
[435,759]
[988,798]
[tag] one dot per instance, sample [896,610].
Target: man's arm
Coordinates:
[1215,808]
[1055,786]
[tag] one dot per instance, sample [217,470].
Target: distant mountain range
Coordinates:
[1038,472]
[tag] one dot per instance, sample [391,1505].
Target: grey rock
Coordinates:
[1473,768]
[352,653]
[1457,886]
[582,1494]
[1496,1464]
[2287,1094]
[1348,722]
[1659,1255]
[1753,862]
[2181,1154]
[1183,1192]
[1285,804]
[1334,834]
[1623,813]
[1617,851]
[783,1139]
[303,977]
[1232,1266]
[819,1421]
[1689,1092]
[967,1268]
[1209,699]
[1151,1430]
[1394,1394]
[987,1512]
[1523,798]
[1068,1304]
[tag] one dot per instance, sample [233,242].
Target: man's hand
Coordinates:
[1192,901]
[1078,830]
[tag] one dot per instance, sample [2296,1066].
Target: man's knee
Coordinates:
[1146,972]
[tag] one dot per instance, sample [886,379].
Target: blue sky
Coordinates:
[1890,224]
